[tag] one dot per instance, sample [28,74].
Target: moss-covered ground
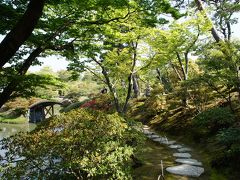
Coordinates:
[175,124]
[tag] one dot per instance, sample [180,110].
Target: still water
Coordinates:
[7,130]
[11,129]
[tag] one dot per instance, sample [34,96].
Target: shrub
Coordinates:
[19,106]
[215,119]
[104,102]
[156,102]
[81,144]
[230,140]
[73,106]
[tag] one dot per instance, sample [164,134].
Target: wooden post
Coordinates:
[52,111]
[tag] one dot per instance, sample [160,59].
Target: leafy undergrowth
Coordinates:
[80,144]
[102,102]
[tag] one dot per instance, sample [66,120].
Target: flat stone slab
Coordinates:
[184,150]
[168,142]
[153,136]
[193,162]
[146,132]
[182,155]
[160,139]
[175,146]
[146,127]
[186,170]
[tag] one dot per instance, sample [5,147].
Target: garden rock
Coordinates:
[186,170]
[175,146]
[184,150]
[193,162]
[182,155]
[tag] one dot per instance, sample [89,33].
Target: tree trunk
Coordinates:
[11,87]
[159,75]
[21,32]
[128,94]
[185,77]
[6,93]
[148,90]
[112,89]
[213,29]
[130,77]
[135,86]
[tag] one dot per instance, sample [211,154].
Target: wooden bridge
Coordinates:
[41,110]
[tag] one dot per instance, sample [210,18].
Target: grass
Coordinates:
[19,120]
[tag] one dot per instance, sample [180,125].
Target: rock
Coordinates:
[175,146]
[184,150]
[186,170]
[146,127]
[153,136]
[66,102]
[193,162]
[182,155]
[168,142]
[146,132]
[160,139]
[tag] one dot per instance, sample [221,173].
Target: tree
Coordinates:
[223,16]
[55,31]
[221,69]
[173,47]
[21,31]
[114,49]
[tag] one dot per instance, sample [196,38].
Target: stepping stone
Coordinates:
[186,170]
[184,150]
[146,127]
[146,132]
[154,136]
[182,155]
[193,162]
[175,146]
[160,139]
[168,142]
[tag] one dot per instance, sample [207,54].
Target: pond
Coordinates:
[11,129]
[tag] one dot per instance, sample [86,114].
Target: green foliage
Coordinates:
[215,119]
[156,103]
[27,85]
[74,106]
[220,64]
[104,102]
[229,139]
[81,144]
[17,107]
[18,120]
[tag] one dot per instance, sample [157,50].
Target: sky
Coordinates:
[59,63]
[55,62]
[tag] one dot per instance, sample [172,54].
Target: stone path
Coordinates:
[188,166]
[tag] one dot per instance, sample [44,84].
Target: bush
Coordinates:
[81,144]
[215,119]
[73,106]
[156,103]
[104,102]
[230,140]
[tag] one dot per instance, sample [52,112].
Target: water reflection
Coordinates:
[11,129]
